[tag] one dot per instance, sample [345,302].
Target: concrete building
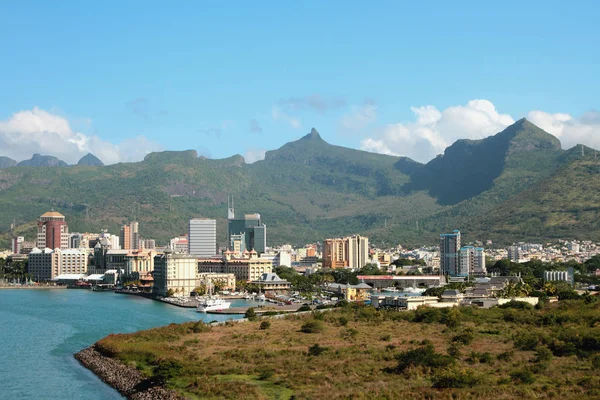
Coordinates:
[271,282]
[180,244]
[139,263]
[335,253]
[130,237]
[515,253]
[175,271]
[479,261]
[16,244]
[148,244]
[210,278]
[449,253]
[358,251]
[47,264]
[52,231]
[202,237]
[249,233]
[249,267]
[41,264]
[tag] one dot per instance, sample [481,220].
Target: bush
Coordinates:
[455,378]
[386,338]
[312,327]
[527,341]
[522,376]
[454,350]
[506,356]
[596,361]
[424,357]
[250,314]
[465,337]
[266,374]
[343,321]
[304,307]
[342,303]
[542,354]
[265,325]
[200,326]
[316,350]
[427,314]
[483,358]
[166,370]
[518,305]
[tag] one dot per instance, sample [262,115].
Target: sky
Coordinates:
[121,79]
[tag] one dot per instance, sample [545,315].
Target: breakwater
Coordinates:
[126,380]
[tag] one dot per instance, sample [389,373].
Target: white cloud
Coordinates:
[279,115]
[571,131]
[39,131]
[360,117]
[254,155]
[434,130]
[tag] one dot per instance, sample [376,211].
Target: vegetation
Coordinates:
[360,352]
[512,188]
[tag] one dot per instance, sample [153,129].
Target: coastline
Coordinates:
[32,287]
[128,381]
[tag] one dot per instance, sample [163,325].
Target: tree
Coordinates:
[170,293]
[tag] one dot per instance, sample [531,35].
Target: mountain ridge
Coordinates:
[308,189]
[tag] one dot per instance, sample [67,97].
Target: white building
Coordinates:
[358,251]
[175,271]
[47,264]
[202,237]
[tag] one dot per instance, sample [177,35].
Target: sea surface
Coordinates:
[40,330]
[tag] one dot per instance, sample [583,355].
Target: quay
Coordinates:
[258,309]
[32,287]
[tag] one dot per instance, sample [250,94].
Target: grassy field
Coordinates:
[360,353]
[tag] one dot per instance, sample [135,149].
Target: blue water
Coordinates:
[41,329]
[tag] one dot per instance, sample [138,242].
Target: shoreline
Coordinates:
[128,381]
[32,287]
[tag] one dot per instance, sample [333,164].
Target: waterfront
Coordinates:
[41,329]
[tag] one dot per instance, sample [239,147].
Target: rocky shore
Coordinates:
[128,381]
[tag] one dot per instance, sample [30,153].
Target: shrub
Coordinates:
[424,357]
[518,305]
[455,378]
[452,317]
[250,314]
[342,303]
[304,307]
[200,326]
[427,314]
[454,350]
[265,325]
[542,354]
[386,338]
[166,370]
[349,333]
[266,374]
[465,337]
[522,376]
[312,327]
[506,356]
[343,321]
[527,341]
[483,358]
[596,361]
[316,350]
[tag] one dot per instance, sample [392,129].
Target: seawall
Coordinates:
[126,380]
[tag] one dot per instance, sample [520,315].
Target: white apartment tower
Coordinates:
[202,238]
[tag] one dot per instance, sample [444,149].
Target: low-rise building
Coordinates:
[271,282]
[360,292]
[211,278]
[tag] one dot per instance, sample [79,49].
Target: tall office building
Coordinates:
[247,233]
[202,237]
[130,237]
[53,231]
[449,253]
[479,261]
[467,261]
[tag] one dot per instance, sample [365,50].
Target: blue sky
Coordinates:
[239,77]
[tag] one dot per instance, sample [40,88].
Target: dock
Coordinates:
[258,309]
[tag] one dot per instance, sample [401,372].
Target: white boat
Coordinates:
[413,290]
[213,304]
[261,297]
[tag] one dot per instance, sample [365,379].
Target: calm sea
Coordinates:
[41,329]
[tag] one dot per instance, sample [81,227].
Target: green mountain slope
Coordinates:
[308,190]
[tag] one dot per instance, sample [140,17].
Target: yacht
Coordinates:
[261,297]
[213,304]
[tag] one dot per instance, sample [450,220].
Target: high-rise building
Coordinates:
[16,244]
[358,251]
[515,253]
[175,271]
[349,252]
[449,253]
[130,237]
[202,237]
[250,229]
[46,264]
[335,253]
[479,260]
[53,232]
[466,261]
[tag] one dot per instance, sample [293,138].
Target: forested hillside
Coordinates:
[514,185]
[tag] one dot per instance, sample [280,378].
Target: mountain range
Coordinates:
[516,185]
